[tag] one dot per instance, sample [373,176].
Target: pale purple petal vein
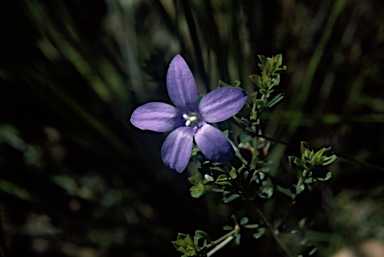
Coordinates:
[216,106]
[181,86]
[177,148]
[222,103]
[156,116]
[213,143]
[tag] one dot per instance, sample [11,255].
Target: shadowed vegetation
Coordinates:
[77,179]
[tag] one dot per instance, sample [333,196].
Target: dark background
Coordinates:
[77,179]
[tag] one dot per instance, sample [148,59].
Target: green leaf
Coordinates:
[266,192]
[179,243]
[279,58]
[246,173]
[237,239]
[256,79]
[298,162]
[201,234]
[244,139]
[284,190]
[329,160]
[255,176]
[303,147]
[260,102]
[185,244]
[276,81]
[217,169]
[226,132]
[233,173]
[198,190]
[263,60]
[275,100]
[223,84]
[236,83]
[243,221]
[208,178]
[302,223]
[188,240]
[15,190]
[252,226]
[260,232]
[222,177]
[227,227]
[291,160]
[299,189]
[328,176]
[241,121]
[230,197]
[195,179]
[233,216]
[263,91]
[319,153]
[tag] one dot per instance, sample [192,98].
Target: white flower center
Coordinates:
[192,119]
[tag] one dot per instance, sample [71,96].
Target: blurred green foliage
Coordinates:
[76,179]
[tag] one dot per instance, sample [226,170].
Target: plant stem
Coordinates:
[255,153]
[238,154]
[274,233]
[346,157]
[230,233]
[254,127]
[223,241]
[219,246]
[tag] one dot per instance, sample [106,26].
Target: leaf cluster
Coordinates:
[189,246]
[311,166]
[246,179]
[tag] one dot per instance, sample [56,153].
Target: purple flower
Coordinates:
[189,118]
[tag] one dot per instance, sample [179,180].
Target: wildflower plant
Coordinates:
[189,119]
[236,168]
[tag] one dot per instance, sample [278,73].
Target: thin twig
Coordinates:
[349,158]
[219,246]
[230,233]
[343,156]
[223,241]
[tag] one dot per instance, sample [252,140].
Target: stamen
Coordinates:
[191,119]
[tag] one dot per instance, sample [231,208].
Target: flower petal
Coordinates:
[222,103]
[213,143]
[158,117]
[181,85]
[177,148]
